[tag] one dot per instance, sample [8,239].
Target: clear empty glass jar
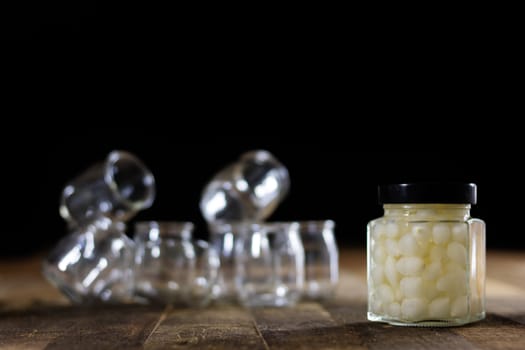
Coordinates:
[223,236]
[269,262]
[321,258]
[171,267]
[426,256]
[93,264]
[116,188]
[248,189]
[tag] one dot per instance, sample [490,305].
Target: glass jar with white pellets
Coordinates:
[426,256]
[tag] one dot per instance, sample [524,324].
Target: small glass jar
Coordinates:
[116,188]
[223,236]
[249,189]
[171,267]
[269,265]
[426,256]
[93,264]
[321,259]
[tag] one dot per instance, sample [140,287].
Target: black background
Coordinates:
[328,181]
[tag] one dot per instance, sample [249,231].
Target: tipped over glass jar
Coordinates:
[426,256]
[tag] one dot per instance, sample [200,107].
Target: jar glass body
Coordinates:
[426,265]
[269,265]
[93,264]
[249,189]
[321,259]
[171,267]
[116,188]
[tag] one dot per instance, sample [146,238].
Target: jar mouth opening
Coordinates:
[129,179]
[315,225]
[221,227]
[427,205]
[302,225]
[240,227]
[163,229]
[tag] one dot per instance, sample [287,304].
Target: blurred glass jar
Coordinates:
[269,262]
[116,188]
[321,258]
[249,189]
[171,267]
[93,264]
[222,241]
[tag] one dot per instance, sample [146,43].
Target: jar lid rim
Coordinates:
[428,192]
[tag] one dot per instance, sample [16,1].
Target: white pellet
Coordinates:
[380,253]
[392,230]
[408,246]
[430,289]
[392,247]
[457,253]
[379,231]
[437,253]
[391,273]
[376,305]
[432,271]
[453,283]
[455,268]
[441,233]
[459,307]
[394,309]
[385,293]
[412,287]
[378,275]
[422,234]
[398,296]
[414,309]
[410,266]
[460,233]
[439,308]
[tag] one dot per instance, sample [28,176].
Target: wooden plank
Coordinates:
[305,326]
[347,312]
[383,336]
[219,327]
[495,332]
[28,330]
[108,327]
[78,327]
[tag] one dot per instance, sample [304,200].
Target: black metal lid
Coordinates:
[428,192]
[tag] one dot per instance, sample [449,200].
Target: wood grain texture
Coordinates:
[33,315]
[103,327]
[221,327]
[382,336]
[305,326]
[495,332]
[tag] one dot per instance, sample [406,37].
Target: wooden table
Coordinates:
[33,315]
